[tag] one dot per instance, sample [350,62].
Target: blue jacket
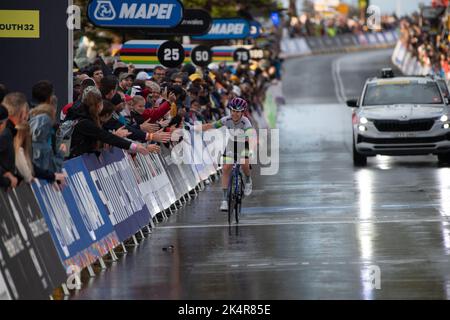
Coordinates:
[43,155]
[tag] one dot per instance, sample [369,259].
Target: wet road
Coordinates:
[316,230]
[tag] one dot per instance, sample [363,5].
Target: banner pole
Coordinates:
[124,248]
[91,271]
[102,263]
[113,255]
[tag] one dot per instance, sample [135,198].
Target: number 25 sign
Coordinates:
[171,54]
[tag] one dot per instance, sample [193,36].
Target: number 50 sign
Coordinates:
[171,54]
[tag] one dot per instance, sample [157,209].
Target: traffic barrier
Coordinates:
[297,47]
[273,100]
[407,63]
[49,234]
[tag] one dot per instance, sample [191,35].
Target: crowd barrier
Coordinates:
[407,63]
[274,99]
[297,47]
[48,234]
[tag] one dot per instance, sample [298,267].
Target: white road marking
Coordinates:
[258,265]
[290,222]
[337,80]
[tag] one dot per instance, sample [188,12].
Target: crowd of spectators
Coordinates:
[116,105]
[317,26]
[428,44]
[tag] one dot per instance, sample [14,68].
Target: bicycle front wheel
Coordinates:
[231,198]
[239,196]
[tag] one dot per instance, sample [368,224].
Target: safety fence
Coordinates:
[273,100]
[296,47]
[48,234]
[407,63]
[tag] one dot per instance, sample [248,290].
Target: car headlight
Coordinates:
[362,128]
[444,118]
[363,120]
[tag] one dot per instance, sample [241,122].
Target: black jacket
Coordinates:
[86,135]
[8,157]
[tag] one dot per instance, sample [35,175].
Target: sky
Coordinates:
[387,6]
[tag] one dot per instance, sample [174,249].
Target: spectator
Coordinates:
[96,73]
[195,114]
[88,134]
[45,155]
[69,109]
[138,132]
[22,150]
[159,73]
[42,92]
[137,108]
[108,87]
[153,98]
[125,82]
[17,106]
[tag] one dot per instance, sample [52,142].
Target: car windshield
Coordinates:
[402,92]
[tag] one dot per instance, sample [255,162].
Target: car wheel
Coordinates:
[359,160]
[444,158]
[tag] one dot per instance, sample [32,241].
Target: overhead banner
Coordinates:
[144,53]
[196,22]
[227,29]
[135,13]
[255,29]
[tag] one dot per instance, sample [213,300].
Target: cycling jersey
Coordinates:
[235,150]
[228,122]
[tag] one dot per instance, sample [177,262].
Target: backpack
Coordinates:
[64,136]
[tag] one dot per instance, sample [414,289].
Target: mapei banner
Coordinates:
[227,29]
[135,13]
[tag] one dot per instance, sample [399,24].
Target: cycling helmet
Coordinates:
[238,104]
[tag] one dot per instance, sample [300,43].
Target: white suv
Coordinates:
[401,116]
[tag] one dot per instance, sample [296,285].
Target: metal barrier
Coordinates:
[297,47]
[49,236]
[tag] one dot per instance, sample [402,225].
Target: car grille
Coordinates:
[403,140]
[404,126]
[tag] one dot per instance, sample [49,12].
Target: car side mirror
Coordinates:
[352,103]
[447,101]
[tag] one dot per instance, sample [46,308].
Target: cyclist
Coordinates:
[237,123]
